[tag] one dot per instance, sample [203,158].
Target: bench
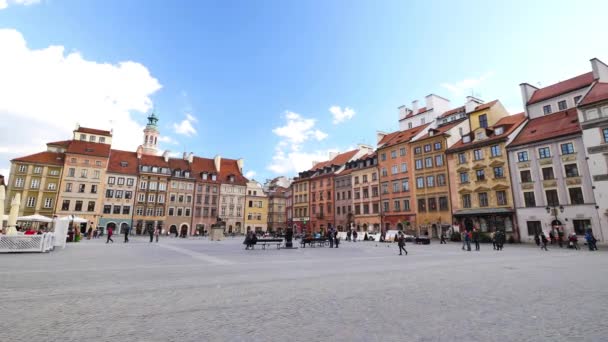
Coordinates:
[265,242]
[320,242]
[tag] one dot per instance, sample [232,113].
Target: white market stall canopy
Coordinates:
[35,218]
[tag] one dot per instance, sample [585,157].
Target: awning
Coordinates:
[483,211]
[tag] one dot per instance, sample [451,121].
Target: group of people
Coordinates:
[556,236]
[250,239]
[498,238]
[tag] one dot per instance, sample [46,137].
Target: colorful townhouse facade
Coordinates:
[366,193]
[206,194]
[180,199]
[232,194]
[345,217]
[119,191]
[257,217]
[300,195]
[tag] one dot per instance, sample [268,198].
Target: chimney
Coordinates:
[166,156]
[366,149]
[185,156]
[379,136]
[437,103]
[240,162]
[139,151]
[415,106]
[402,112]
[190,157]
[471,103]
[527,91]
[600,70]
[217,160]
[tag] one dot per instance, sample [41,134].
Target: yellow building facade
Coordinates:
[256,208]
[301,212]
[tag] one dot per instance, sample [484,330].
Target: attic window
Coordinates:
[231,179]
[499,130]
[88,149]
[205,175]
[124,164]
[213,177]
[466,139]
[187,174]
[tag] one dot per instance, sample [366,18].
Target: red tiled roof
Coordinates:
[563,87]
[340,159]
[230,167]
[387,137]
[599,92]
[420,111]
[45,157]
[510,123]
[441,129]
[62,143]
[485,105]
[89,148]
[179,164]
[117,160]
[93,131]
[151,160]
[452,111]
[404,136]
[548,127]
[200,165]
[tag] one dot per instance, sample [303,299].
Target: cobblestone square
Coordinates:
[197,290]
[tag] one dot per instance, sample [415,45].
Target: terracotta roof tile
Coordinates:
[598,93]
[340,159]
[441,129]
[93,131]
[485,105]
[62,143]
[510,123]
[547,127]
[123,162]
[420,111]
[453,111]
[52,158]
[404,136]
[89,148]
[150,160]
[230,167]
[200,165]
[179,164]
[563,87]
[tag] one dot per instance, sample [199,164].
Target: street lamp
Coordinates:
[554,208]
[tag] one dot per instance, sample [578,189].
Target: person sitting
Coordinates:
[30,231]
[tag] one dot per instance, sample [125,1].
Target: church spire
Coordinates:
[151,134]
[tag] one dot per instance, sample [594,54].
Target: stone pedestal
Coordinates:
[216,234]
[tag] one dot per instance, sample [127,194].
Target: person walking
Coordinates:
[476,238]
[463,236]
[330,236]
[401,243]
[500,239]
[467,239]
[90,233]
[552,235]
[537,239]
[151,233]
[336,239]
[442,241]
[493,238]
[591,241]
[544,241]
[560,237]
[157,233]
[110,232]
[573,241]
[126,232]
[354,236]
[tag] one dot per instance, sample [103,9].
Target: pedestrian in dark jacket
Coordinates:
[500,239]
[467,240]
[544,241]
[552,236]
[401,243]
[537,239]
[126,232]
[560,237]
[442,238]
[591,241]
[476,238]
[348,234]
[354,236]
[336,239]
[151,233]
[330,236]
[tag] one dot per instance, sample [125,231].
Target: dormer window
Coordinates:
[499,130]
[186,174]
[102,140]
[92,138]
[466,139]
[231,179]
[145,168]
[124,164]
[83,137]
[204,175]
[88,149]
[155,169]
[479,135]
[213,177]
[176,173]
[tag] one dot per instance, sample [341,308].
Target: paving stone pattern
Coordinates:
[197,290]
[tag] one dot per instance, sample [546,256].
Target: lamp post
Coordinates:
[554,208]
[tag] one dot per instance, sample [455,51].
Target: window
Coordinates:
[547,109]
[141,197]
[152,185]
[437,146]
[54,172]
[577,98]
[483,121]
[428,162]
[96,174]
[143,185]
[567,148]
[116,210]
[81,188]
[383,156]
[430,181]
[374,176]
[161,198]
[130,181]
[464,177]
[440,180]
[420,182]
[397,205]
[409,125]
[111,180]
[107,209]
[126,210]
[432,204]
[406,205]
[443,203]
[162,186]
[495,151]
[91,206]
[78,206]
[384,172]
[364,178]
[83,173]
[481,175]
[19,183]
[439,160]
[571,170]
[68,187]
[478,154]
[403,167]
[31,202]
[529,199]
[83,137]
[534,227]
[94,189]
[98,163]
[548,173]
[180,211]
[48,202]
[22,168]
[466,200]
[581,226]
[417,150]
[576,196]
[605,134]
[139,211]
[37,169]
[171,211]
[483,199]
[501,197]
[522,156]
[35,183]
[149,211]
[393,154]
[526,176]
[544,153]
[394,170]
[118,193]
[427,148]
[65,205]
[418,164]
[374,192]
[561,105]
[462,158]
[402,151]
[187,211]
[71,172]
[421,205]
[499,172]
[552,199]
[395,187]
[405,185]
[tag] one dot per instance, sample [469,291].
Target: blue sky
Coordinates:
[257,79]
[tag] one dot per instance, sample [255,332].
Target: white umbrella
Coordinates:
[34,218]
[74,219]
[12,217]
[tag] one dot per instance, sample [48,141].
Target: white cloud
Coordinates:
[341,115]
[168,140]
[250,174]
[289,156]
[5,3]
[45,92]
[185,127]
[467,85]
